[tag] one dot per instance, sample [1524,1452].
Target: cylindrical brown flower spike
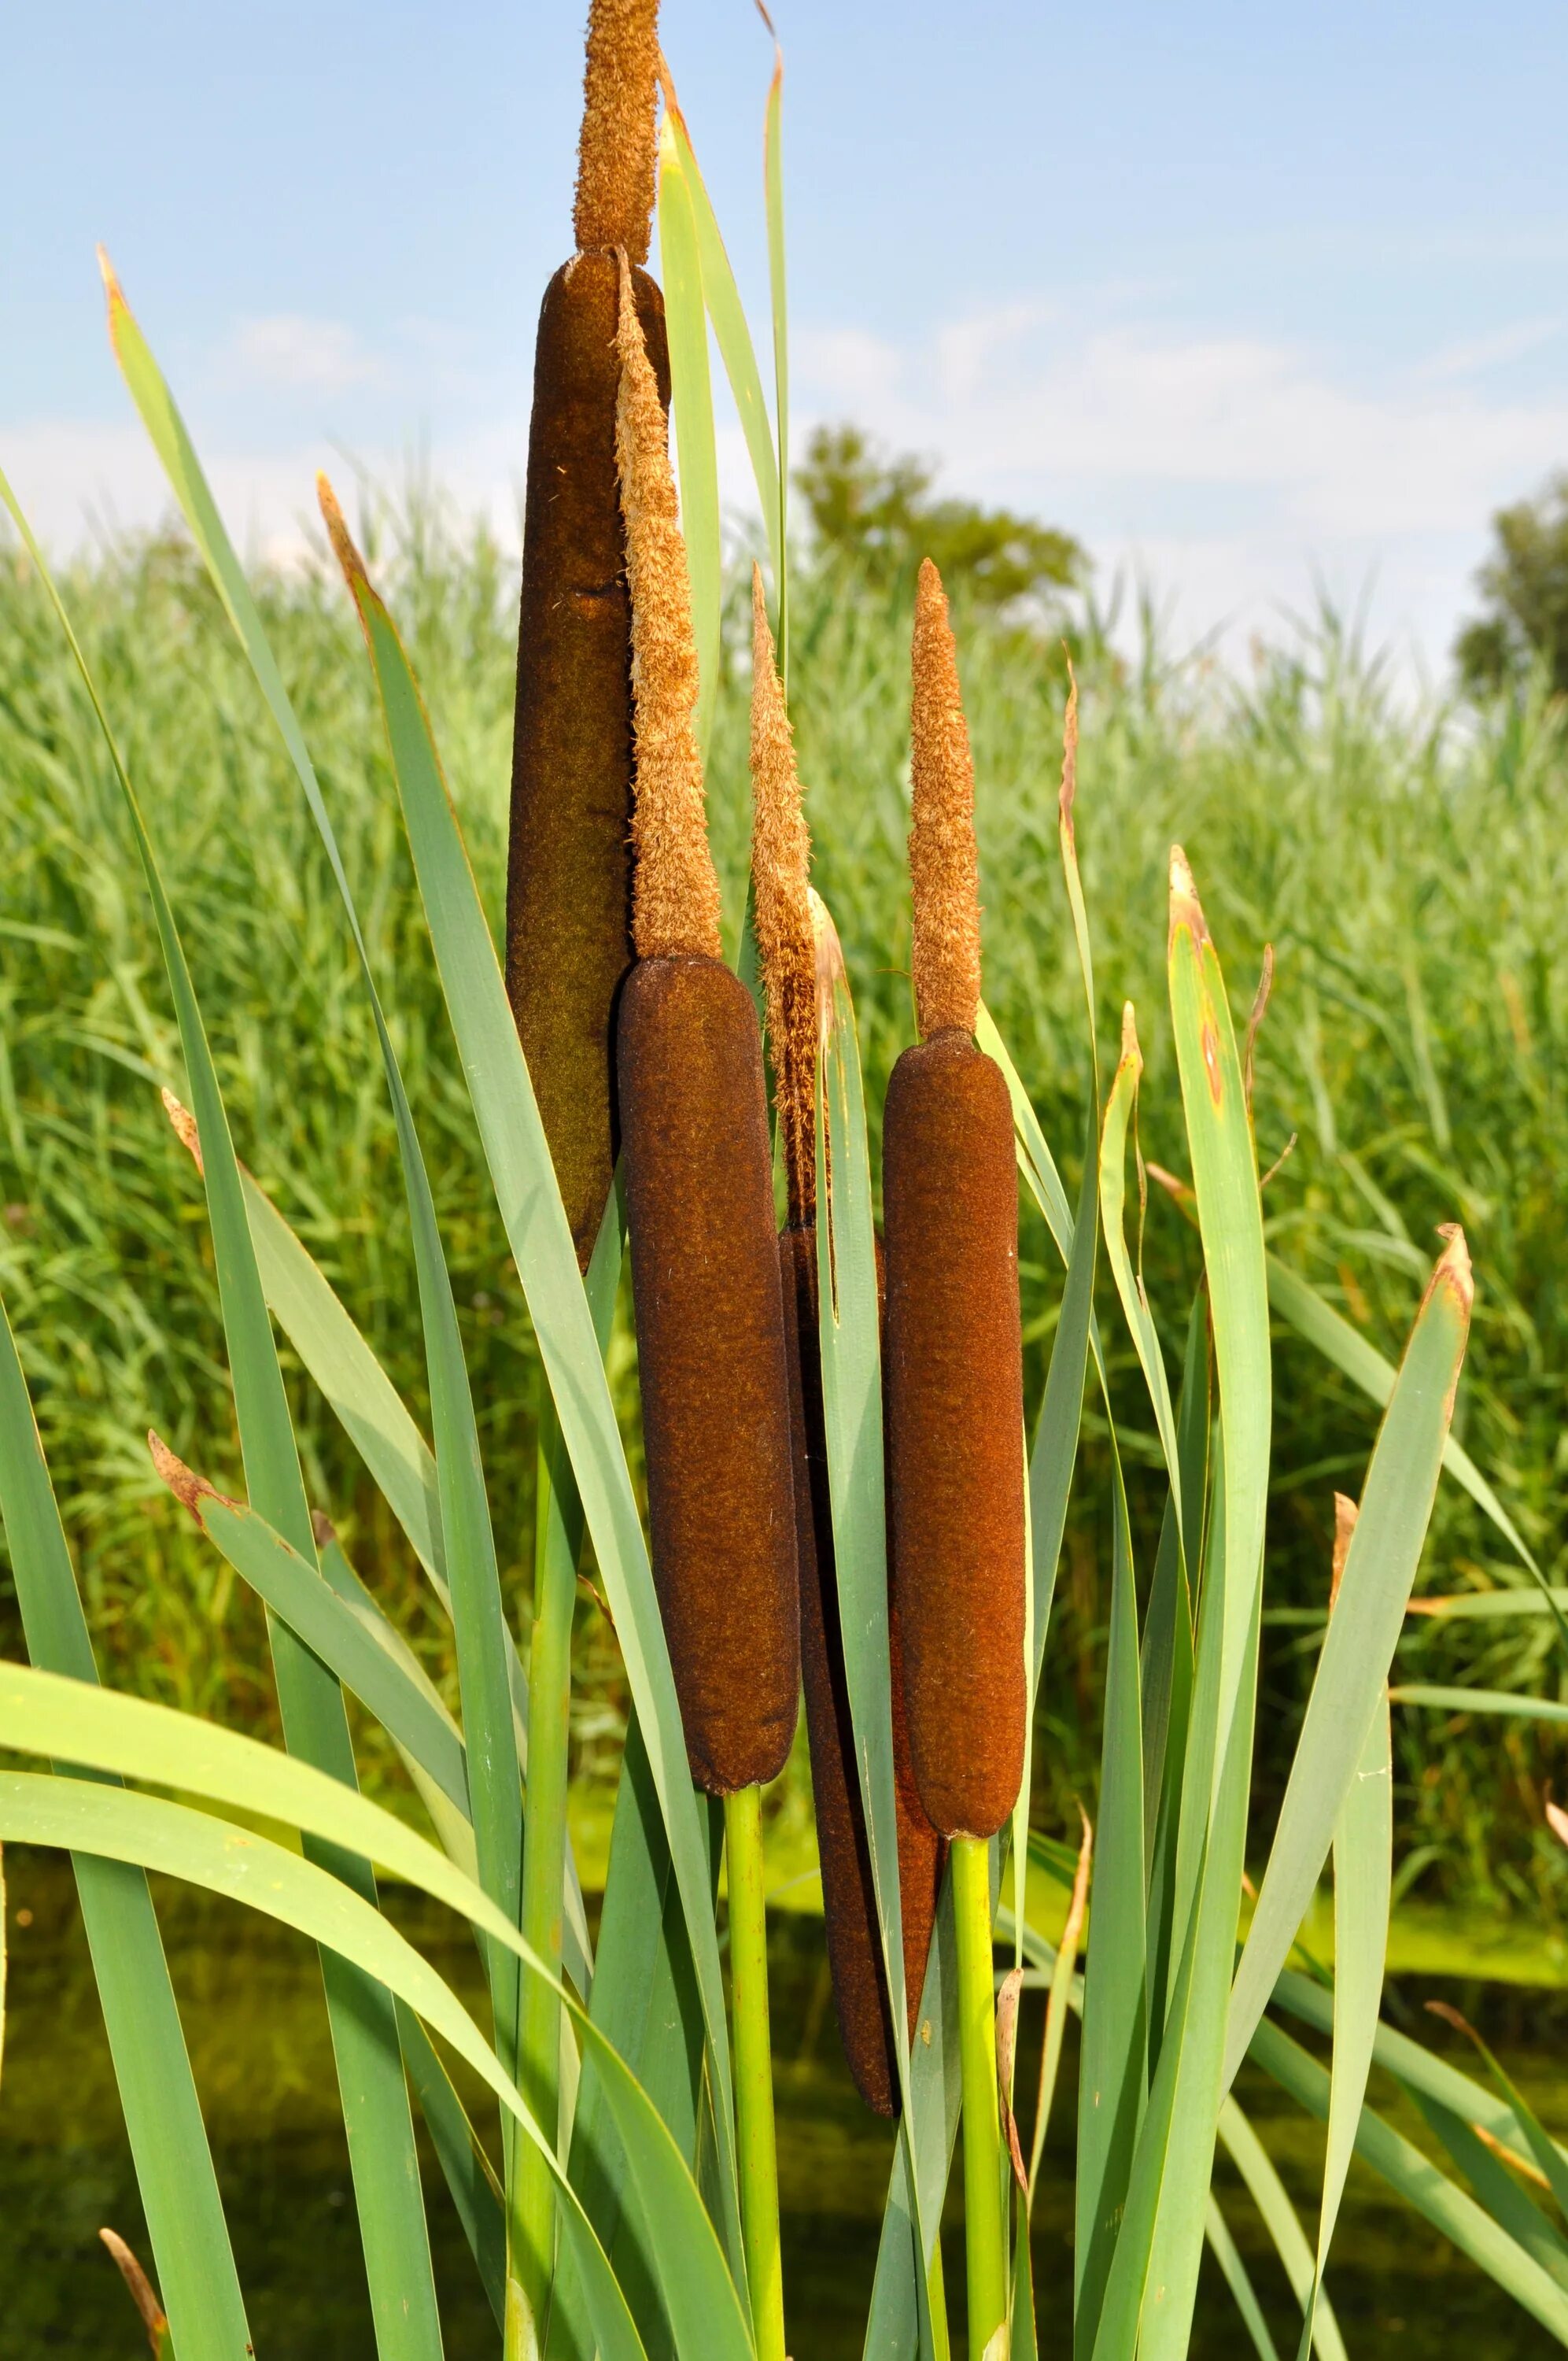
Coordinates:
[568,877]
[710,1328]
[797,945]
[954,1362]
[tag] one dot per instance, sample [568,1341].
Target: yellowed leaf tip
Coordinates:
[1186,910]
[1557,1821]
[337,533]
[189,1488]
[831,971]
[1067,794]
[184,1123]
[152,2314]
[1131,1053]
[1454,1265]
[671,103]
[112,288]
[1345,1515]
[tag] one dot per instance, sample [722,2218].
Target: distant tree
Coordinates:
[878,510]
[1525,585]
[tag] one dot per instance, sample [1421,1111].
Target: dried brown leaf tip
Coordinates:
[674,900]
[189,1488]
[1345,1515]
[614,204]
[337,533]
[153,2318]
[1067,795]
[184,1123]
[944,866]
[781,913]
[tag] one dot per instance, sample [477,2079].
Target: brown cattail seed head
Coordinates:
[674,901]
[944,866]
[712,1360]
[955,1423]
[569,858]
[781,913]
[849,1894]
[614,204]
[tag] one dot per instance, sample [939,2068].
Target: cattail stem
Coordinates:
[755,2137]
[985,2236]
[531,2225]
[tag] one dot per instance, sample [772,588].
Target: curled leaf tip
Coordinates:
[337,533]
[189,1488]
[184,1123]
[1454,1264]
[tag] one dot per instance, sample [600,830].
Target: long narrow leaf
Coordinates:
[147,2042]
[1385,1550]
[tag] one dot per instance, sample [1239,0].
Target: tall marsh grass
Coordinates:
[1410,870]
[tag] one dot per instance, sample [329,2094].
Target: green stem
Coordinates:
[531,2222]
[754,2069]
[985,2240]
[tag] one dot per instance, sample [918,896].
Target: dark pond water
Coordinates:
[251,1998]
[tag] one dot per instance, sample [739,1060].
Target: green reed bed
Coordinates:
[1305,770]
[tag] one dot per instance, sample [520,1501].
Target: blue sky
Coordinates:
[1246,297]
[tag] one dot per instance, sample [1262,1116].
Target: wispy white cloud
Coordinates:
[291,351]
[1241,471]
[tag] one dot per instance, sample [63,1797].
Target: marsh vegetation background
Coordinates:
[1409,866]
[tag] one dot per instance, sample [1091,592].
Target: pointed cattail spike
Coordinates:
[781,887]
[614,206]
[943,868]
[674,906]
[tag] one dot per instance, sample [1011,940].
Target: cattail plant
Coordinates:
[568,879]
[955,1401]
[795,941]
[711,1326]
[567,897]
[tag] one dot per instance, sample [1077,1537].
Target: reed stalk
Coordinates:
[531,2207]
[756,2139]
[985,2233]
